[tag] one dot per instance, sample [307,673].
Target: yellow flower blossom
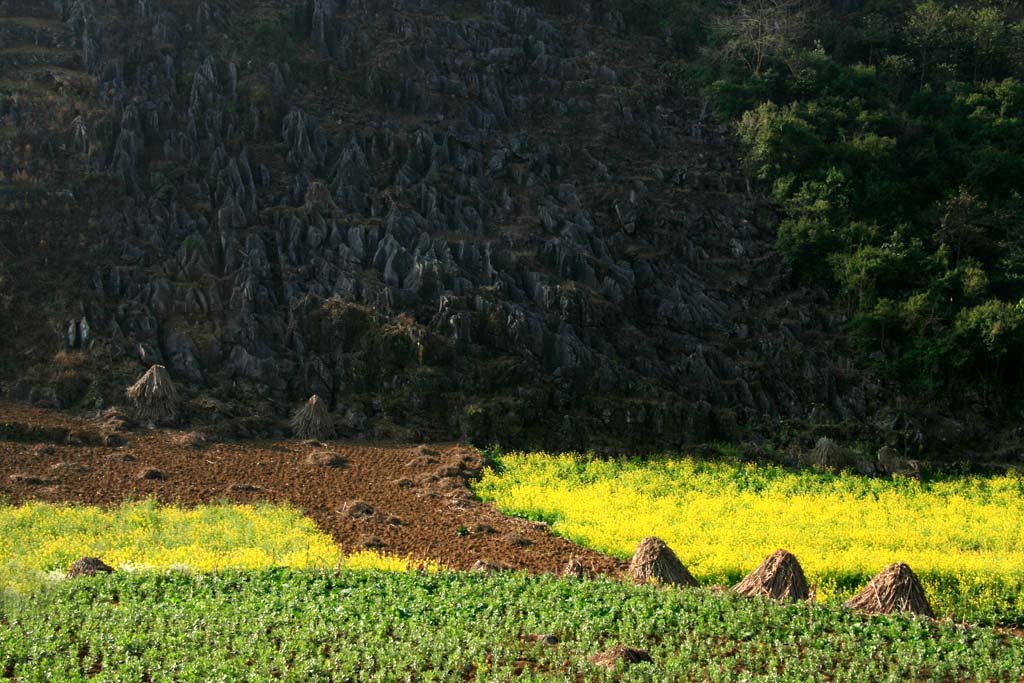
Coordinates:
[41,539]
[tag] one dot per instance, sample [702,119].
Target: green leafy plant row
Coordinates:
[311,626]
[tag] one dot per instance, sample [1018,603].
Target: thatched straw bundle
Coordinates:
[655,561]
[779,577]
[88,566]
[827,454]
[153,397]
[894,589]
[313,420]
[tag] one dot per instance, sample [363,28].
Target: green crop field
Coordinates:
[200,594]
[315,626]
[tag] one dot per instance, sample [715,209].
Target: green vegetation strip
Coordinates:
[316,626]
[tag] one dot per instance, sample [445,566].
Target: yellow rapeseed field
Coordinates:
[963,536]
[40,539]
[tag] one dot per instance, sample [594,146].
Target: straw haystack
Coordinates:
[88,566]
[828,455]
[153,397]
[313,420]
[655,561]
[894,589]
[779,577]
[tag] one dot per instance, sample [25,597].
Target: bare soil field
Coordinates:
[406,500]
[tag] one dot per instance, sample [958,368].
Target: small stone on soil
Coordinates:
[28,479]
[620,653]
[543,638]
[485,566]
[422,462]
[372,542]
[152,474]
[326,459]
[447,471]
[518,540]
[357,509]
[68,468]
[195,440]
[112,439]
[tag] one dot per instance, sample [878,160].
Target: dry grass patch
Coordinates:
[153,397]
[779,577]
[655,561]
[313,420]
[894,589]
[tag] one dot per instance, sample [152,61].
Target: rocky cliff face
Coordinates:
[448,219]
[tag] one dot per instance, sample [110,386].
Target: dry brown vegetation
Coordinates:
[654,561]
[153,397]
[313,420]
[779,577]
[894,589]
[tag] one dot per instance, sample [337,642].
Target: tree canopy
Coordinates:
[891,136]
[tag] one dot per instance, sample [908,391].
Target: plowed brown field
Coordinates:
[401,499]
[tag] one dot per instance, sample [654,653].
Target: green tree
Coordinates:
[753,32]
[928,30]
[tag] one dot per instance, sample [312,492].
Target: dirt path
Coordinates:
[415,498]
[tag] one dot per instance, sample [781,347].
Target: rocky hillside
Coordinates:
[449,219]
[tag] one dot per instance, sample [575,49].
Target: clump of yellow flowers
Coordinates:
[37,539]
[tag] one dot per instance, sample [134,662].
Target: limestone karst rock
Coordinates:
[496,226]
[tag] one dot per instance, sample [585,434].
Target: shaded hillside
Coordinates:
[447,219]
